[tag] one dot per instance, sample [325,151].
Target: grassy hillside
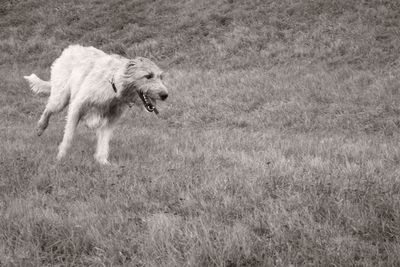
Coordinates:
[278,145]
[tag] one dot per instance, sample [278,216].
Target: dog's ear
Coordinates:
[138,60]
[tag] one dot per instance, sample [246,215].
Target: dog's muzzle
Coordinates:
[147,103]
[163,96]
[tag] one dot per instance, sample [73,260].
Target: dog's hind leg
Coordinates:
[57,102]
[74,113]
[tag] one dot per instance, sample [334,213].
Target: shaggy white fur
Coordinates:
[98,87]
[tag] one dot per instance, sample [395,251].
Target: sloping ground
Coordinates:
[221,33]
[279,144]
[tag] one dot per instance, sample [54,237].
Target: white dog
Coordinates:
[98,87]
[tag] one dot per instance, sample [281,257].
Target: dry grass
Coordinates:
[278,146]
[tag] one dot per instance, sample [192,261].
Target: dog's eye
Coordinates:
[149,76]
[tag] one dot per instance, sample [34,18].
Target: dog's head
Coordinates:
[145,78]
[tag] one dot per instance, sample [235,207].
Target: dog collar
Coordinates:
[113,84]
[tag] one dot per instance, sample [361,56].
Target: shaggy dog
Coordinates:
[98,87]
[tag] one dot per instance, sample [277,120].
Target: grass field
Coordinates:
[278,146]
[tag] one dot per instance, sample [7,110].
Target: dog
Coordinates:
[98,87]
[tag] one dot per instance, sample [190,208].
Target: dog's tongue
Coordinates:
[155,110]
[147,103]
[151,108]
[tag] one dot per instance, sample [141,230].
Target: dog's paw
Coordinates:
[102,160]
[61,154]
[39,131]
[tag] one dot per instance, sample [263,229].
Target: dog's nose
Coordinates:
[163,96]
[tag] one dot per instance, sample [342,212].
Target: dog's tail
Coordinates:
[37,85]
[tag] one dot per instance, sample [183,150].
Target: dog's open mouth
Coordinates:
[148,102]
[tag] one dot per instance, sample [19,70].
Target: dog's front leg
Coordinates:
[70,127]
[104,134]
